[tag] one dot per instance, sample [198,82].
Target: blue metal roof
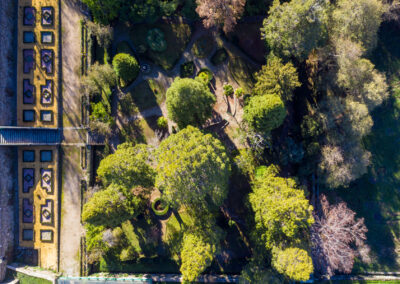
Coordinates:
[29,136]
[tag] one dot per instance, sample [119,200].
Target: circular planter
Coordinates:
[159,202]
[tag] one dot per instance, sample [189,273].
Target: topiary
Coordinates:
[162,122]
[126,67]
[156,40]
[228,90]
[160,202]
[205,76]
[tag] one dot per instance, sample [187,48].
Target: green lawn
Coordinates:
[176,35]
[26,279]
[242,71]
[145,95]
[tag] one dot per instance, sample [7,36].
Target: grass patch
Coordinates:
[145,95]
[176,35]
[203,46]
[148,126]
[26,279]
[124,47]
[219,57]
[143,265]
[242,71]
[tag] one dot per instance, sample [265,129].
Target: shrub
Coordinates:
[164,206]
[156,40]
[228,90]
[239,92]
[126,67]
[187,69]
[203,47]
[124,47]
[205,75]
[162,122]
[219,57]
[265,113]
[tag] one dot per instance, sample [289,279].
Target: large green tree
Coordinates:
[193,170]
[277,78]
[358,21]
[129,166]
[295,28]
[265,113]
[282,212]
[111,207]
[189,102]
[196,255]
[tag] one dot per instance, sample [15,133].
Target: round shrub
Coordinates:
[228,90]
[187,69]
[156,41]
[162,122]
[126,67]
[205,75]
[265,113]
[219,56]
[160,202]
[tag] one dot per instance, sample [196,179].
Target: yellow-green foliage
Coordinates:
[110,207]
[128,166]
[192,168]
[131,237]
[197,254]
[277,78]
[189,102]
[265,113]
[294,263]
[281,209]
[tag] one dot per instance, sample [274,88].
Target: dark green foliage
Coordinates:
[124,47]
[219,56]
[311,127]
[176,36]
[205,75]
[189,102]
[104,11]
[126,67]
[187,69]
[265,113]
[203,46]
[291,152]
[155,40]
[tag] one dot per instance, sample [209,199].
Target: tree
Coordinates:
[110,207]
[295,28]
[277,78]
[104,11]
[281,209]
[99,79]
[337,238]
[358,76]
[126,67]
[294,263]
[340,166]
[358,21]
[103,33]
[189,102]
[196,255]
[265,113]
[193,170]
[129,166]
[220,12]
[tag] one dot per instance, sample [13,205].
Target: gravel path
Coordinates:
[7,116]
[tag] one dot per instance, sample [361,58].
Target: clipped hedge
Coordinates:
[205,75]
[163,203]
[187,70]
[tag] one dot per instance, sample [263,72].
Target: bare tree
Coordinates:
[220,12]
[337,238]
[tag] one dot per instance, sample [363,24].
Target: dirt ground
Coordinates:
[71,228]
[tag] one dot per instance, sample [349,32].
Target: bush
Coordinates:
[162,122]
[124,47]
[228,90]
[164,206]
[126,67]
[265,113]
[239,92]
[219,57]
[187,69]
[203,47]
[205,75]
[156,40]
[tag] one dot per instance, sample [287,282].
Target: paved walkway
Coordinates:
[74,136]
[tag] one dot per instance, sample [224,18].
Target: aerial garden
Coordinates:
[255,138]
